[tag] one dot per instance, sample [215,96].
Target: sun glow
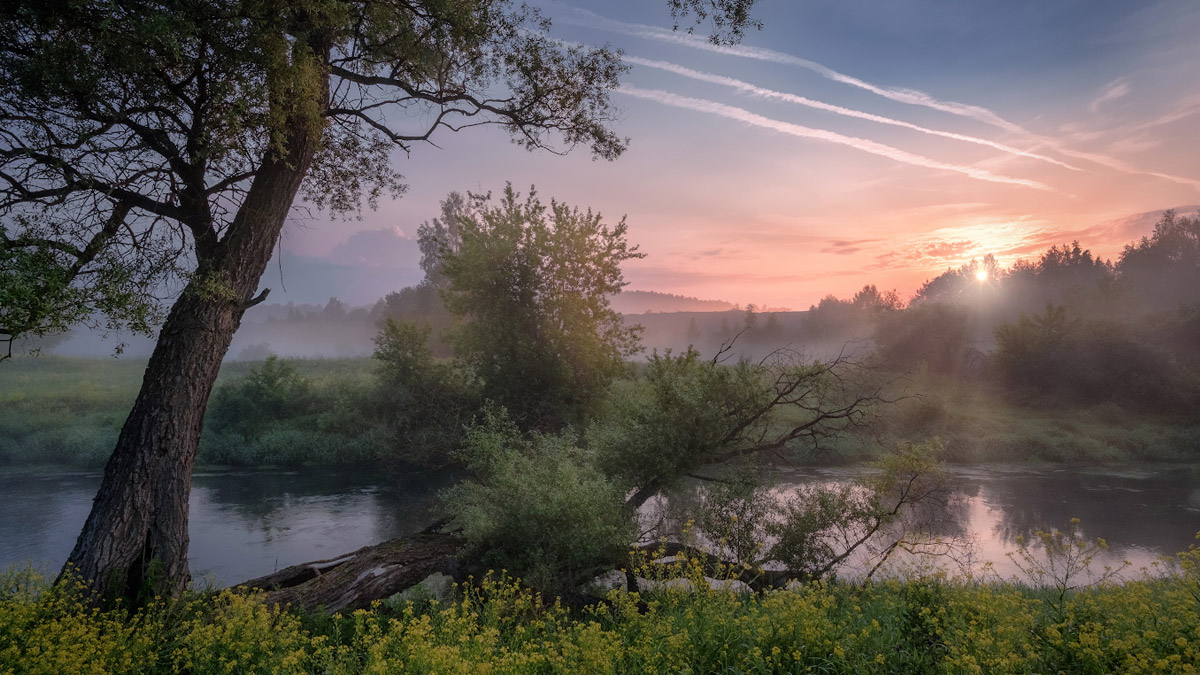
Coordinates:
[981,275]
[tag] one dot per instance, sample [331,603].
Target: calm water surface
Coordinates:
[248,523]
[1142,511]
[243,524]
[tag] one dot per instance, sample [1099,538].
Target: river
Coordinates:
[246,524]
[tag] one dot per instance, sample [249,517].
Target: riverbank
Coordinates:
[248,523]
[980,422]
[912,625]
[68,412]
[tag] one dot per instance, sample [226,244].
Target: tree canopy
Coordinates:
[1164,268]
[134,134]
[532,284]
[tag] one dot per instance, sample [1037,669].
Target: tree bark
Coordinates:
[356,580]
[135,541]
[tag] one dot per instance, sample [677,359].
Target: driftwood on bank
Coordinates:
[355,580]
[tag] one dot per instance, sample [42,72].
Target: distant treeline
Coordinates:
[1067,327]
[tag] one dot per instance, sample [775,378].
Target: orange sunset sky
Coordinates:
[847,142]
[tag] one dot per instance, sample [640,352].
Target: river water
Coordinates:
[245,524]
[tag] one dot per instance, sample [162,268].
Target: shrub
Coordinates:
[936,334]
[428,404]
[1090,362]
[538,507]
[260,399]
[898,625]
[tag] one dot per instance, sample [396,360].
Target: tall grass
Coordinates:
[64,411]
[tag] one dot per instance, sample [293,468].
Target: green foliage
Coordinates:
[235,632]
[823,524]
[1063,274]
[1163,270]
[933,335]
[735,516]
[50,629]
[45,288]
[985,422]
[421,304]
[729,18]
[833,319]
[294,412]
[532,287]
[913,625]
[809,535]
[683,413]
[428,404]
[1065,562]
[538,507]
[1090,362]
[958,286]
[262,399]
[64,411]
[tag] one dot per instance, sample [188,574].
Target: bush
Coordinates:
[428,404]
[684,413]
[261,399]
[894,626]
[538,508]
[1074,361]
[936,335]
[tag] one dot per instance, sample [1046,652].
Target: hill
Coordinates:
[641,302]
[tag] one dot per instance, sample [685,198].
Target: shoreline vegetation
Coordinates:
[66,412]
[1058,622]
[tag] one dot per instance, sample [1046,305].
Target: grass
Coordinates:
[909,625]
[60,411]
[63,411]
[981,423]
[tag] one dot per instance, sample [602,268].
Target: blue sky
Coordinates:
[845,143]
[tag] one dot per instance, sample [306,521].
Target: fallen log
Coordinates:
[355,580]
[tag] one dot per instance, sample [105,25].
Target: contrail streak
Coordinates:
[819,105]
[910,96]
[1112,163]
[743,115]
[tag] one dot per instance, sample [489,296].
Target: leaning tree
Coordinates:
[155,149]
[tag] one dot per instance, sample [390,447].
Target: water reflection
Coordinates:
[1143,512]
[243,524]
[248,523]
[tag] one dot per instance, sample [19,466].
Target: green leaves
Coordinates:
[531,285]
[169,113]
[51,280]
[687,413]
[264,399]
[538,507]
[427,403]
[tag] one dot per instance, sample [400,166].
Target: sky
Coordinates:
[846,142]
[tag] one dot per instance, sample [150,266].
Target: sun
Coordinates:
[981,275]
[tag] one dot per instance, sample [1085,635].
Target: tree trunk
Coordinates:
[135,541]
[356,580]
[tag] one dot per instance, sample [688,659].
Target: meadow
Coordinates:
[67,412]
